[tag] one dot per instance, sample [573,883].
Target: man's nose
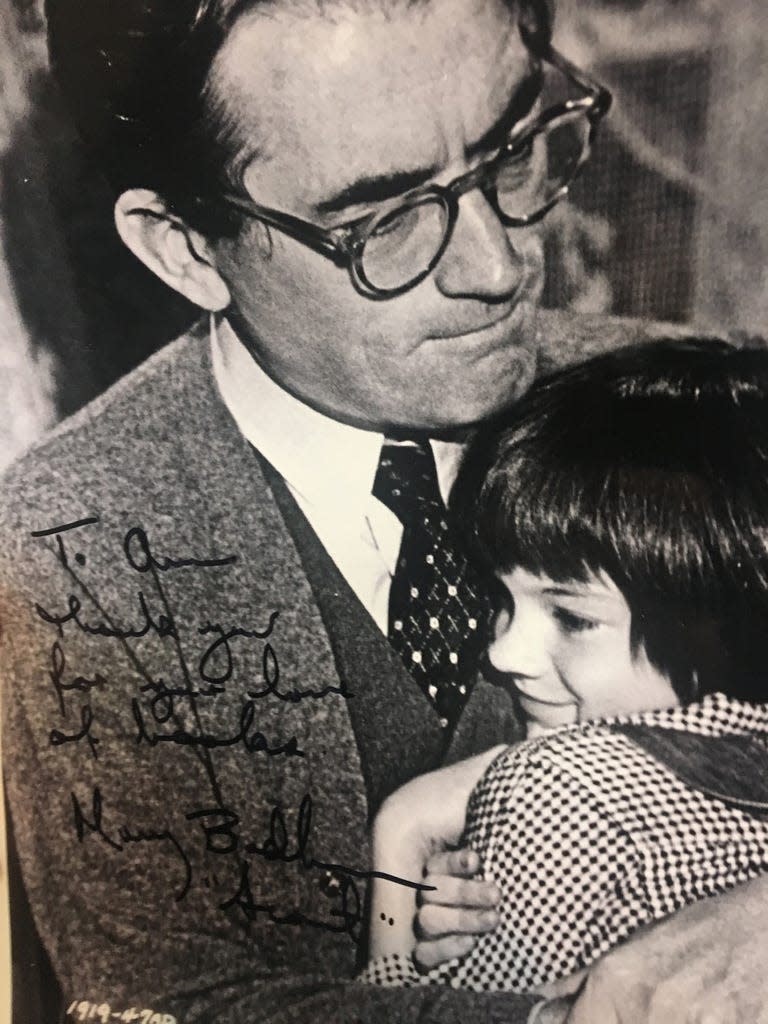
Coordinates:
[521,647]
[481,261]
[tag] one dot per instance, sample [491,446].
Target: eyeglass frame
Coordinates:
[344,244]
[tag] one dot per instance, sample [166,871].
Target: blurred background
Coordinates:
[670,220]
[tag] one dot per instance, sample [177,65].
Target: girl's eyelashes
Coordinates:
[571,622]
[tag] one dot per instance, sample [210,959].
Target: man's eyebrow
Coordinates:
[377,188]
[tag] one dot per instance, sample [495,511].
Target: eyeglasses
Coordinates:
[388,252]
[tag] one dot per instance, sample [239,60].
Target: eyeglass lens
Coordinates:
[530,179]
[405,243]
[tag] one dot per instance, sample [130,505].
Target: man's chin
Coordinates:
[501,391]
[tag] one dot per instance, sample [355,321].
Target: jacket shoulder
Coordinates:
[104,446]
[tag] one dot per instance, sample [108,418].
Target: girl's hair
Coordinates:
[650,464]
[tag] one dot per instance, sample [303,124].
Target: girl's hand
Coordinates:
[421,820]
[456,911]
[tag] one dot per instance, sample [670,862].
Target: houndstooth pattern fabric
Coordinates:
[439,608]
[588,838]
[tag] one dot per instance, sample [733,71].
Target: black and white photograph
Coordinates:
[383,511]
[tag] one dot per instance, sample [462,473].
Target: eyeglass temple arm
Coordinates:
[335,245]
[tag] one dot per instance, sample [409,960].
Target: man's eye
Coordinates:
[401,221]
[518,169]
[520,152]
[573,623]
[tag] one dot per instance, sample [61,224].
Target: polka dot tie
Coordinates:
[439,608]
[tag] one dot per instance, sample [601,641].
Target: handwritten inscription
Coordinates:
[169,711]
[141,559]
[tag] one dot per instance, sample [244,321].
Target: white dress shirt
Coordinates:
[329,468]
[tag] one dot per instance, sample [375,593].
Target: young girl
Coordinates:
[624,510]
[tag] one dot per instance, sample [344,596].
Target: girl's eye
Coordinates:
[573,623]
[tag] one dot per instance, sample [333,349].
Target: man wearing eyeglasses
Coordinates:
[213,570]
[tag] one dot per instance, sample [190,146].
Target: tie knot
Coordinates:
[406,480]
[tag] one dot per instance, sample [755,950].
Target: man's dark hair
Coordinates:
[651,465]
[135,74]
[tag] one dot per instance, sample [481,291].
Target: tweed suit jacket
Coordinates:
[183,779]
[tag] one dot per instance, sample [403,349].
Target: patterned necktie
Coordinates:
[439,608]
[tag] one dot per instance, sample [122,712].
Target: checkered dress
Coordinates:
[589,837]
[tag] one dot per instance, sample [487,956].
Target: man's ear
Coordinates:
[178,255]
